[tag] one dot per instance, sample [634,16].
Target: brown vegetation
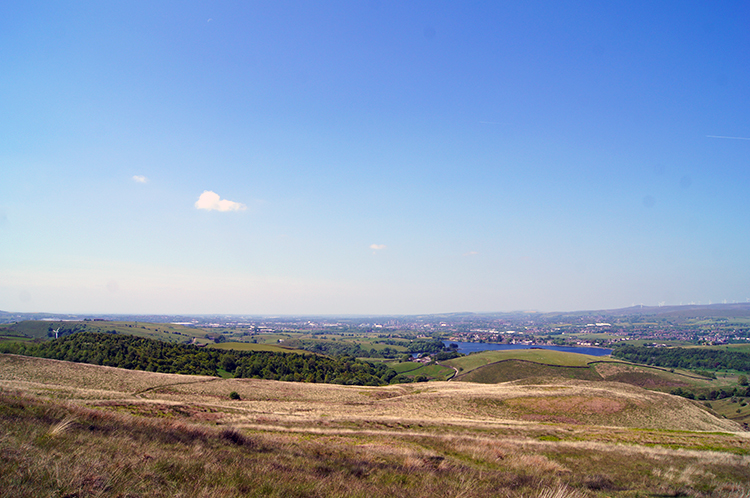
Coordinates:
[82,430]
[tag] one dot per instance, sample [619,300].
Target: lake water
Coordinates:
[474,347]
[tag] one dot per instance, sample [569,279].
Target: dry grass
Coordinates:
[541,356]
[82,378]
[138,434]
[295,404]
[560,492]
[61,427]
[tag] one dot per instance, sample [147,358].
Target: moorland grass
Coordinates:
[54,449]
[470,362]
[188,438]
[508,370]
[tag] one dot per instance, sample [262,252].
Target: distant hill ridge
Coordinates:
[721,310]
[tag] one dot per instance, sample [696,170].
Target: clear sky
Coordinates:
[372,157]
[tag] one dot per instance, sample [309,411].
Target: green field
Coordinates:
[411,369]
[744,348]
[671,343]
[602,336]
[246,346]
[407,366]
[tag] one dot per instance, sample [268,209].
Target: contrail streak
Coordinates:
[731,138]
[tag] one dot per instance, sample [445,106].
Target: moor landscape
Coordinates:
[374,248]
[388,406]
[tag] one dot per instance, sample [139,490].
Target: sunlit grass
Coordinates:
[544,356]
[147,434]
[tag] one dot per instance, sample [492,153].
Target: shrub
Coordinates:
[234,395]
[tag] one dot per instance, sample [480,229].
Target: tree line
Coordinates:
[686,358]
[137,353]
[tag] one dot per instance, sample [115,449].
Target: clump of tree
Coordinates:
[447,355]
[137,353]
[713,394]
[426,346]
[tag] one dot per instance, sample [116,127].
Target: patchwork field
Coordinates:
[140,433]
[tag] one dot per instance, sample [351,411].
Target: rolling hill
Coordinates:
[164,434]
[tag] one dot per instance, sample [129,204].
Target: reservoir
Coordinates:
[475,347]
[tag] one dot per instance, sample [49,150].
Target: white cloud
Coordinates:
[471,253]
[140,179]
[377,247]
[730,138]
[211,201]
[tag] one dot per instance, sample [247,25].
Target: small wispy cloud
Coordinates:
[471,253]
[730,138]
[377,247]
[211,201]
[140,179]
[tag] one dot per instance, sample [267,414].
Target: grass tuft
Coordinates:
[61,427]
[560,492]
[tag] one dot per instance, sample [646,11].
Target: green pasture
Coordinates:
[432,372]
[274,338]
[671,343]
[437,372]
[407,366]
[740,348]
[720,321]
[246,346]
[599,336]
[411,369]
[15,338]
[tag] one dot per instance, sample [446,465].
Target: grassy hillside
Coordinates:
[508,370]
[466,364]
[41,329]
[655,378]
[492,367]
[87,430]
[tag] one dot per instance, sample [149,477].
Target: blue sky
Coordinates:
[373,157]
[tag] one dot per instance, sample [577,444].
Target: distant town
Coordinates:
[651,326]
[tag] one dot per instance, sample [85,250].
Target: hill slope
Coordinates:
[72,429]
[573,402]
